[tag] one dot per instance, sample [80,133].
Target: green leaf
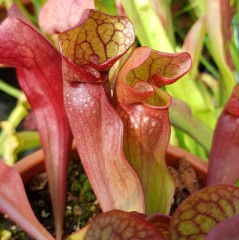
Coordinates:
[151,33]
[193,44]
[108,6]
[38,4]
[182,117]
[149,29]
[217,29]
[186,90]
[163,10]
[198,6]
[235,56]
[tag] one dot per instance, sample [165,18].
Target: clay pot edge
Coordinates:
[33,164]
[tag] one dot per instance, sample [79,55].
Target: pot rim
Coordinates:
[33,164]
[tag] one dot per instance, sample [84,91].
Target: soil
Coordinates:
[82,204]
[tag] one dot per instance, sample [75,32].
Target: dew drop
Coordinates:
[145,119]
[132,119]
[91,104]
[153,124]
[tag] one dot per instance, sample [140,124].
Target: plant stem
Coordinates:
[181,117]
[10,90]
[8,130]
[209,67]
[28,140]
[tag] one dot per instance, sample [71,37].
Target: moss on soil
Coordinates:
[81,205]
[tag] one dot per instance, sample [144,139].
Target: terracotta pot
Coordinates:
[32,165]
[174,154]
